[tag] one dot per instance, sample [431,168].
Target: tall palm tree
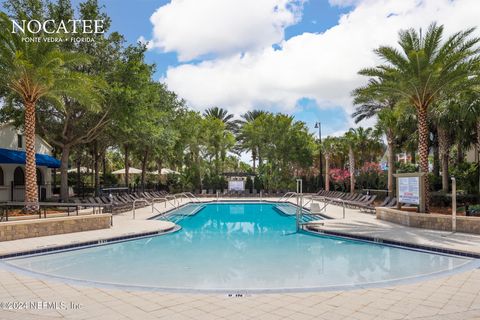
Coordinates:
[445,117]
[330,145]
[33,71]
[350,138]
[248,134]
[387,123]
[372,103]
[424,71]
[251,115]
[223,115]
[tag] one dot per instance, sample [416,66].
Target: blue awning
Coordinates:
[18,157]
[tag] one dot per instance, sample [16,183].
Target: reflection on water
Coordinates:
[242,246]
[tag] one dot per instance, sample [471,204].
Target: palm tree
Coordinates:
[350,139]
[33,71]
[444,116]
[372,103]
[423,72]
[330,145]
[248,134]
[223,115]
[387,123]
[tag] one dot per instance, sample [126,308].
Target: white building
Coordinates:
[12,165]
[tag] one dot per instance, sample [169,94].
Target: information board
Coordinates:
[409,190]
[236,185]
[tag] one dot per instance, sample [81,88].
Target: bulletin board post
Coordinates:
[411,189]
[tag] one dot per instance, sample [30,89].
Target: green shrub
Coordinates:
[406,168]
[466,176]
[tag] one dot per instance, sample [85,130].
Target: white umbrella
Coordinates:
[168,171]
[82,170]
[130,171]
[165,171]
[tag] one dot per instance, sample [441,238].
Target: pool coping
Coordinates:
[380,240]
[86,244]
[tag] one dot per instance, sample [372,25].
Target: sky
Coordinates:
[299,57]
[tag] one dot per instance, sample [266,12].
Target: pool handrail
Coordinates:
[329,201]
[138,200]
[287,196]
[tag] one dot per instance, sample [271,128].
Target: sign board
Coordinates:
[236,185]
[409,190]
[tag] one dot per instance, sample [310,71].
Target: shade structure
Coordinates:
[165,171]
[18,157]
[130,171]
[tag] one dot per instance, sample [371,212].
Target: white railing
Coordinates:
[287,196]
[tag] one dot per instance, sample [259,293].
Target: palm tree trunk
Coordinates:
[391,164]
[444,156]
[423,149]
[436,154]
[104,167]
[254,157]
[79,176]
[478,150]
[144,168]
[460,153]
[327,172]
[64,173]
[159,168]
[95,168]
[31,190]
[127,167]
[351,164]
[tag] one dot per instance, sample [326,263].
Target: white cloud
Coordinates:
[317,66]
[343,3]
[196,28]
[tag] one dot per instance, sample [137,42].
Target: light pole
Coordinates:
[318,125]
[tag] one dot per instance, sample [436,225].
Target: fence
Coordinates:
[7,210]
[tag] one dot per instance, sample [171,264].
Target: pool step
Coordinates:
[176,216]
[310,217]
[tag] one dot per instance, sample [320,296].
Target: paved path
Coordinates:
[453,297]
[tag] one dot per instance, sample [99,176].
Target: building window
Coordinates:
[18,177]
[2,182]
[20,141]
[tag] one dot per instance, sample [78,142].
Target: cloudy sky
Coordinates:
[295,56]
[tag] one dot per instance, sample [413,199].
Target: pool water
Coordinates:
[240,246]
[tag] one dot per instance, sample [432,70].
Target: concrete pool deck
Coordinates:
[455,296]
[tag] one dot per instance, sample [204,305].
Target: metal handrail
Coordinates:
[138,200]
[189,194]
[160,198]
[174,199]
[287,196]
[329,201]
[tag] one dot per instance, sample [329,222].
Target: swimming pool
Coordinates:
[240,246]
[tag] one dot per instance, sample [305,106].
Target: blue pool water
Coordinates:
[239,246]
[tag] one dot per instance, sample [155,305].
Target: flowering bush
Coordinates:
[340,178]
[371,176]
[371,168]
